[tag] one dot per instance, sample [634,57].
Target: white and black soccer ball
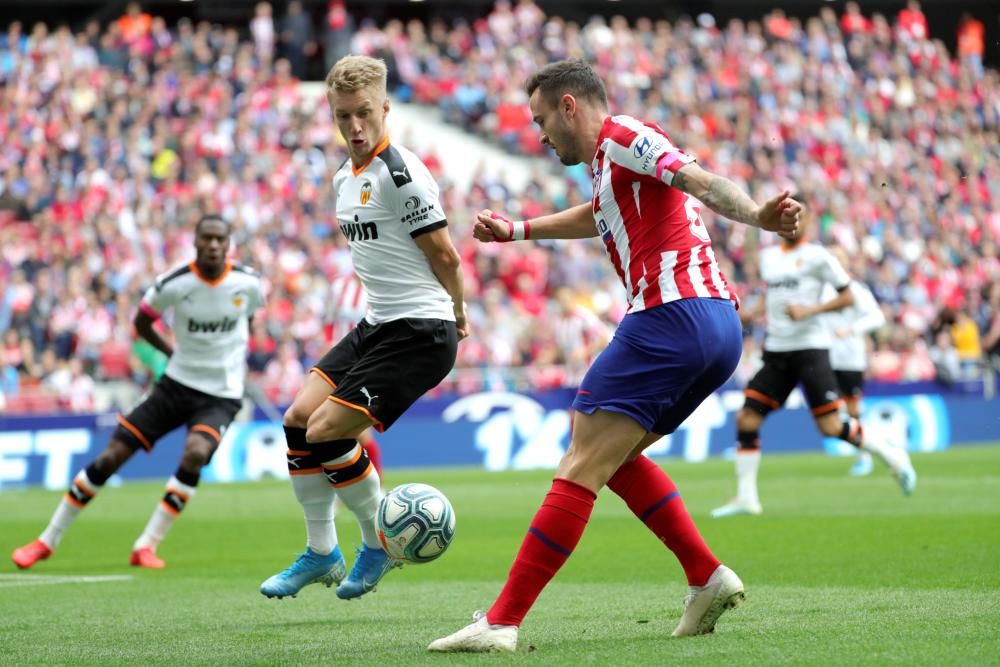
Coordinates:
[415,523]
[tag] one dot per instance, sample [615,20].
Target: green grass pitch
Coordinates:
[839,571]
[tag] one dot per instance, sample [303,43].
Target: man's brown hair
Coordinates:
[573,76]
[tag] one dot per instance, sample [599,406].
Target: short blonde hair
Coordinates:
[352,73]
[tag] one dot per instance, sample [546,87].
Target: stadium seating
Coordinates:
[113,149]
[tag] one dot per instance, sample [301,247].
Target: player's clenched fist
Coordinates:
[492,227]
[780,214]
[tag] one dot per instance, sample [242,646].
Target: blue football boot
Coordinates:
[372,564]
[308,568]
[862,465]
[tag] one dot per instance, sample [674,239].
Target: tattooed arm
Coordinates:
[778,214]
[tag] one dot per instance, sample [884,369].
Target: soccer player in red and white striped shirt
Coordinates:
[680,340]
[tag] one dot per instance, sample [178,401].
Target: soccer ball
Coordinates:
[415,523]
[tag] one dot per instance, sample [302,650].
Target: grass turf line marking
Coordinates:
[14,580]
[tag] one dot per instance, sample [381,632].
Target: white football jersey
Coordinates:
[210,324]
[381,208]
[797,276]
[848,353]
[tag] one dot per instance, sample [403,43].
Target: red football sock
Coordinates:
[374,453]
[553,535]
[653,497]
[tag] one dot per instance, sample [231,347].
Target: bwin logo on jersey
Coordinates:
[215,326]
[359,231]
[366,193]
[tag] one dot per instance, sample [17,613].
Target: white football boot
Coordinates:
[705,604]
[906,476]
[736,507]
[478,637]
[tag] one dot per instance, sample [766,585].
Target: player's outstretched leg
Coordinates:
[705,604]
[654,499]
[309,568]
[554,533]
[87,483]
[895,458]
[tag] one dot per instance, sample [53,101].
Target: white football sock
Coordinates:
[315,495]
[362,496]
[747,464]
[67,511]
[164,515]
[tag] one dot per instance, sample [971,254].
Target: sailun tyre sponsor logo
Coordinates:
[412,203]
[418,215]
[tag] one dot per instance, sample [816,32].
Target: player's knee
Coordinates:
[331,422]
[748,419]
[296,416]
[321,429]
[198,450]
[193,460]
[830,425]
[588,465]
[112,458]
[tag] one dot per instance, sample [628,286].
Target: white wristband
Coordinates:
[517,230]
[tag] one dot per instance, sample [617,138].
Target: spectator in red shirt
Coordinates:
[912,22]
[853,21]
[972,42]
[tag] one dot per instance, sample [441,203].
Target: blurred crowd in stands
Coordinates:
[114,140]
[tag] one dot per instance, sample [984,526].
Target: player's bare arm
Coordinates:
[447,268]
[778,214]
[144,327]
[573,223]
[843,299]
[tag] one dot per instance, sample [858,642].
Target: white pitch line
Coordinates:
[15,580]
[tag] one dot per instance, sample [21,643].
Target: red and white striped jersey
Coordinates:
[653,233]
[346,307]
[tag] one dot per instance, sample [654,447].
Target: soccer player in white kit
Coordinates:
[388,209]
[213,301]
[848,355]
[797,350]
